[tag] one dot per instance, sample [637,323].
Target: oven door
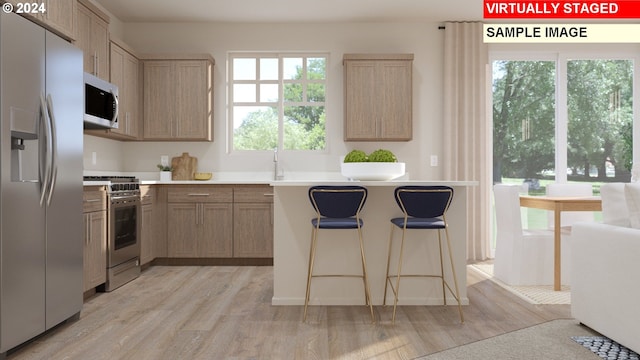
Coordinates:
[124,230]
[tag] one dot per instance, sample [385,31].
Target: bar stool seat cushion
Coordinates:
[337,223]
[419,223]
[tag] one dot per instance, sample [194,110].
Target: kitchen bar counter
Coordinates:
[338,250]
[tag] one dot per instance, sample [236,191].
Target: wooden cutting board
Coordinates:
[184,167]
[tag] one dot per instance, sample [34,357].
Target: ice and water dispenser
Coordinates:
[25,145]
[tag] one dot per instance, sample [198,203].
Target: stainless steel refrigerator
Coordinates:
[41,104]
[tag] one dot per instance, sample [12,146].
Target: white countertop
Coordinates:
[207,182]
[266,178]
[371,183]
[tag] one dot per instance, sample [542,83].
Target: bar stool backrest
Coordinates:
[337,202]
[424,201]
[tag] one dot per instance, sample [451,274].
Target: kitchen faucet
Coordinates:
[275,163]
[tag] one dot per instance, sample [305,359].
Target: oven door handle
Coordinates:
[124,200]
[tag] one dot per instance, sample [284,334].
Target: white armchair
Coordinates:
[605,287]
[523,257]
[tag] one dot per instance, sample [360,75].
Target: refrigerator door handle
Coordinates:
[44,184]
[54,149]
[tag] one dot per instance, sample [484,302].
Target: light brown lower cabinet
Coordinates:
[95,237]
[253,222]
[219,221]
[147,224]
[199,222]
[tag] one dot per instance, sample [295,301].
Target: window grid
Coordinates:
[280,103]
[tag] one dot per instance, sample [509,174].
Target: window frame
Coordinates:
[280,104]
[561,57]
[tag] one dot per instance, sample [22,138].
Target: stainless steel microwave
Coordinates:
[100,103]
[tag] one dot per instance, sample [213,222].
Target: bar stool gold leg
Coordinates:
[398,275]
[386,279]
[365,279]
[453,271]
[444,292]
[312,256]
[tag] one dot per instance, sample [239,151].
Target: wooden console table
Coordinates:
[558,205]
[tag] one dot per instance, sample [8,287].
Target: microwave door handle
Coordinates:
[54,148]
[115,115]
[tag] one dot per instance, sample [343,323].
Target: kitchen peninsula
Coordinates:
[338,250]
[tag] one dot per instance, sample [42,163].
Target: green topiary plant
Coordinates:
[382,155]
[355,156]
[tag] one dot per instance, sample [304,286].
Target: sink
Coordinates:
[372,171]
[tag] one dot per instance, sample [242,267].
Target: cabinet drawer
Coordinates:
[253,194]
[147,194]
[200,194]
[94,200]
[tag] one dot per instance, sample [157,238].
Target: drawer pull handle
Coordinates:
[268,194]
[198,194]
[92,200]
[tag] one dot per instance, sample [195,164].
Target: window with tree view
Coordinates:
[585,137]
[278,101]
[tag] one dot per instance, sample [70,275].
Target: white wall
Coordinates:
[424,40]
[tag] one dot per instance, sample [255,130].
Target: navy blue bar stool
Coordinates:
[337,207]
[424,208]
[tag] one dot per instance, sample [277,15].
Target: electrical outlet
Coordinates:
[164,160]
[94,158]
[434,160]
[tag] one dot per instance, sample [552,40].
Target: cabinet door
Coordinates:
[61,16]
[360,100]
[378,97]
[253,230]
[100,45]
[216,237]
[394,105]
[117,77]
[183,231]
[192,105]
[132,94]
[159,102]
[147,253]
[124,74]
[93,39]
[95,249]
[83,37]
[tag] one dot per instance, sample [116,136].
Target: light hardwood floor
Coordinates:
[208,312]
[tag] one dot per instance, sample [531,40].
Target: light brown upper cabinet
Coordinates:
[93,38]
[58,16]
[378,97]
[126,74]
[178,98]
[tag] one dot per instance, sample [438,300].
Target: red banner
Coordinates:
[518,9]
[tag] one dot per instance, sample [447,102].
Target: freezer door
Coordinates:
[64,99]
[22,227]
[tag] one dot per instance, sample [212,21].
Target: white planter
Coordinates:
[372,171]
[165,175]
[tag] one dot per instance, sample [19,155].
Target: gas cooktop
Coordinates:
[119,184]
[111,178]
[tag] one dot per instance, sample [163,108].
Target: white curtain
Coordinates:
[467,133]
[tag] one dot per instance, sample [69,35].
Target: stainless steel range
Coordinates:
[123,244]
